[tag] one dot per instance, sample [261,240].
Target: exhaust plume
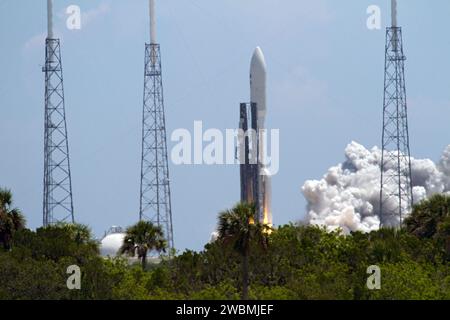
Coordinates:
[348,195]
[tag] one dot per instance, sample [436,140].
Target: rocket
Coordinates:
[255,178]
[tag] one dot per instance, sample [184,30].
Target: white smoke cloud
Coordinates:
[348,196]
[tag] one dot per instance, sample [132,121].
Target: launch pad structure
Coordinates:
[395,202]
[57,194]
[248,155]
[155,198]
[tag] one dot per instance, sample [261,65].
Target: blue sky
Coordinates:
[325,84]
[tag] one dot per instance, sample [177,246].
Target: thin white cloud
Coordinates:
[35,41]
[88,16]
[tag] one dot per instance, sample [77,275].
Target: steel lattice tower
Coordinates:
[396,187]
[155,200]
[57,202]
[250,165]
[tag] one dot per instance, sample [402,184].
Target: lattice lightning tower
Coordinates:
[155,199]
[57,200]
[396,188]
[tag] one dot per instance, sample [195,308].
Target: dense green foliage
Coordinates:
[300,262]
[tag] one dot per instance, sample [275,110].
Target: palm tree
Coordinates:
[238,227]
[79,233]
[11,220]
[428,215]
[141,238]
[431,219]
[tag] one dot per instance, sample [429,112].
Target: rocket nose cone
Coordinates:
[258,76]
[258,60]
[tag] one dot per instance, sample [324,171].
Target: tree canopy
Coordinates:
[301,262]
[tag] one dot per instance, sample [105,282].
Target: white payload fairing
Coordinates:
[255,178]
[258,80]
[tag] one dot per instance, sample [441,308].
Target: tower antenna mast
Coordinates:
[155,197]
[57,198]
[396,197]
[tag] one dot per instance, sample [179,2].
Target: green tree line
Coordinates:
[248,260]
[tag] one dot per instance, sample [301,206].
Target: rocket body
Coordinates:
[255,178]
